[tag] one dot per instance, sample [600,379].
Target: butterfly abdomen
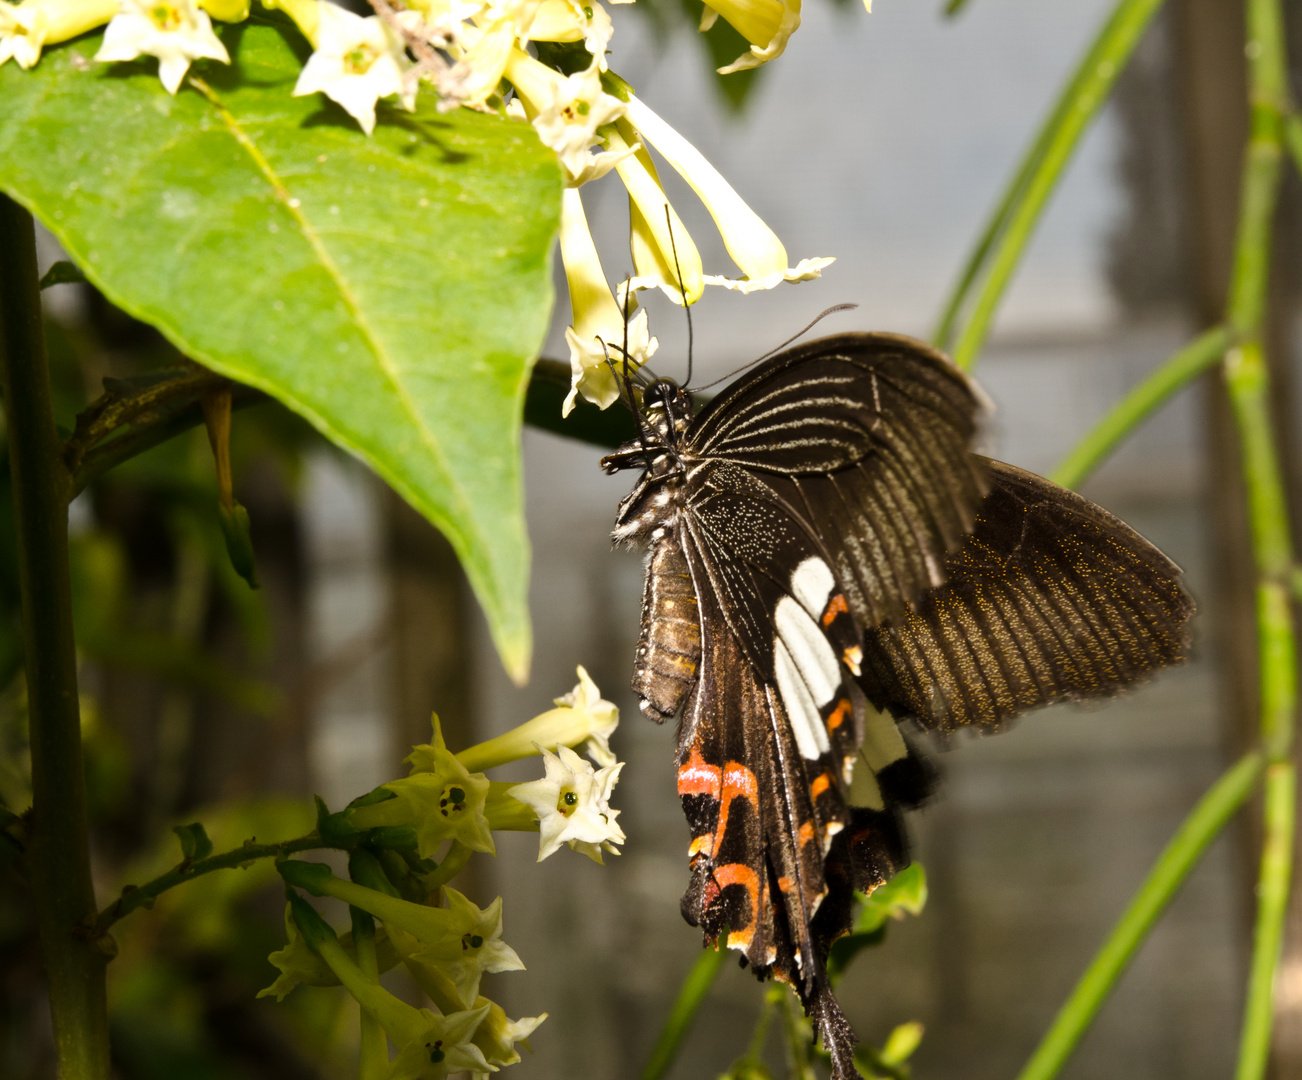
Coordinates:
[669,648]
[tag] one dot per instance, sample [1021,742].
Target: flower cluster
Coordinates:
[406,841]
[541,61]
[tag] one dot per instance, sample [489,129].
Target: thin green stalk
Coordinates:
[1181,855]
[144,895]
[690,996]
[1293,140]
[1026,168]
[1248,382]
[1084,97]
[1180,370]
[59,855]
[1272,908]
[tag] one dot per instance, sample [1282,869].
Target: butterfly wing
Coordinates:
[864,438]
[775,852]
[1049,598]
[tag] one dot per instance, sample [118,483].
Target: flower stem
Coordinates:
[144,896]
[59,855]
[690,996]
[1181,855]
[1181,369]
[1079,103]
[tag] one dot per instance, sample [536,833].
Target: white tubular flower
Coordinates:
[471,945]
[565,110]
[357,61]
[474,77]
[572,804]
[574,20]
[175,31]
[581,717]
[27,28]
[664,253]
[766,24]
[598,322]
[754,247]
[438,1046]
[497,1035]
[600,716]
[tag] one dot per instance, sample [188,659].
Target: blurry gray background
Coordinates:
[883,140]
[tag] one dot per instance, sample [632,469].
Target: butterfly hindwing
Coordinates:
[1049,598]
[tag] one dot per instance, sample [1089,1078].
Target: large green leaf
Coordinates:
[393,290]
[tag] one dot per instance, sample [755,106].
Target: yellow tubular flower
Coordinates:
[303,12]
[655,236]
[754,247]
[598,321]
[27,28]
[226,10]
[766,24]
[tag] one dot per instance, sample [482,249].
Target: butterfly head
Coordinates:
[668,409]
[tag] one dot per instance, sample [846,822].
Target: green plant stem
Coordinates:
[1181,855]
[1248,382]
[1079,104]
[1272,908]
[690,995]
[995,224]
[1180,370]
[59,854]
[1293,140]
[144,895]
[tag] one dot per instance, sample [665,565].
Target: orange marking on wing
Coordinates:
[821,784]
[784,883]
[740,874]
[696,777]
[702,843]
[836,606]
[853,657]
[839,714]
[806,833]
[737,780]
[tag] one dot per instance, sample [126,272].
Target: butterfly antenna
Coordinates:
[751,363]
[682,290]
[625,387]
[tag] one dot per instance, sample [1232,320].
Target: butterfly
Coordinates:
[831,569]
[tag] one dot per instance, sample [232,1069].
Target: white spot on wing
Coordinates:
[812,584]
[806,721]
[813,655]
[882,741]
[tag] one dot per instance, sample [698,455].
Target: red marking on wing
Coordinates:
[697,777]
[836,606]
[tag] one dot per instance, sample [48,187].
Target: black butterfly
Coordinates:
[829,560]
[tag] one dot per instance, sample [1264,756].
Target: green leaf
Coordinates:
[195,844]
[904,894]
[393,290]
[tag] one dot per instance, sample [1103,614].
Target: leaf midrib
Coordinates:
[427,437]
